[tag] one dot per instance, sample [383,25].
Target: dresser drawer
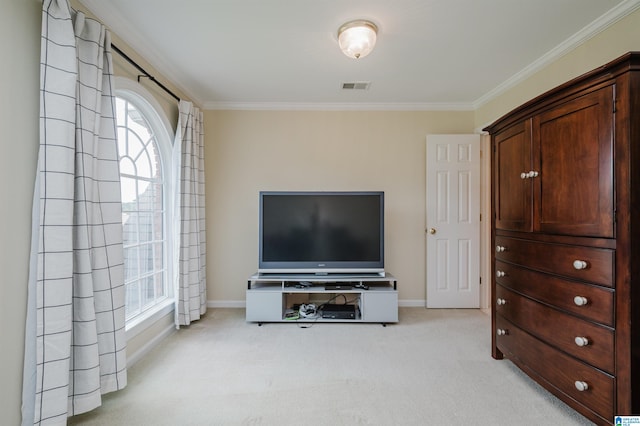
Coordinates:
[583,339]
[586,300]
[559,370]
[594,265]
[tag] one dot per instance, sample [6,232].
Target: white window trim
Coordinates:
[133,92]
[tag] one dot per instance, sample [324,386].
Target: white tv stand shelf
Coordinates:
[271,296]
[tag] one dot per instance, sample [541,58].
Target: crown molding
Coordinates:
[125,30]
[337,106]
[603,22]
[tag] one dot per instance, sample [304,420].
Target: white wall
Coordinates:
[250,151]
[19,106]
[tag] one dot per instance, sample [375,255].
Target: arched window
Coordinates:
[144,147]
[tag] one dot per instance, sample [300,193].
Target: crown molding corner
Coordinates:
[591,30]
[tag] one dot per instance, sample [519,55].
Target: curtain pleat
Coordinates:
[189,215]
[75,340]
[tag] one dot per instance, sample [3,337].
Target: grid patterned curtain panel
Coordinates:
[75,340]
[188,155]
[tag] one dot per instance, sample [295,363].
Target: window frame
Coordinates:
[152,111]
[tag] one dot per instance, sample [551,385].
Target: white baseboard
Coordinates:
[226,304]
[412,303]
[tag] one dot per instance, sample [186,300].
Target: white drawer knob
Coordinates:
[579,264]
[500,274]
[581,386]
[580,300]
[501,332]
[501,301]
[581,341]
[533,174]
[500,249]
[524,175]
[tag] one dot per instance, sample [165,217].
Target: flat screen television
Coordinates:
[321,232]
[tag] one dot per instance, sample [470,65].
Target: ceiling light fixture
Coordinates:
[357,38]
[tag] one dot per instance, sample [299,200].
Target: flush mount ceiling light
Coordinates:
[357,38]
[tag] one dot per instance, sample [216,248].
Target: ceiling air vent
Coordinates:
[356,85]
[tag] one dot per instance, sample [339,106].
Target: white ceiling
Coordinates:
[275,54]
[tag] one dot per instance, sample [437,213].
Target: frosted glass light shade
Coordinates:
[357,38]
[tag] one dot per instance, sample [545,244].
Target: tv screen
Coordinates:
[321,232]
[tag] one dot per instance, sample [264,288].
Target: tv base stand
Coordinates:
[279,297]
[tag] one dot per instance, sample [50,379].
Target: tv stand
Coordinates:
[274,297]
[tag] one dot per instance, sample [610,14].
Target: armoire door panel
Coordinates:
[513,191]
[574,143]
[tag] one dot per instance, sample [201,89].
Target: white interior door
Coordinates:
[453,221]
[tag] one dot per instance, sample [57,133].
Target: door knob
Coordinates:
[432,231]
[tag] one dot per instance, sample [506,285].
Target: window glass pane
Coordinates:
[143,216]
[158,230]
[147,196]
[145,227]
[158,257]
[154,160]
[129,228]
[148,291]
[127,167]
[146,259]
[132,296]
[135,147]
[122,140]
[143,163]
[128,190]
[131,264]
[157,192]
[158,280]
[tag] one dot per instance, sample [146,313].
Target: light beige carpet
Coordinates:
[432,368]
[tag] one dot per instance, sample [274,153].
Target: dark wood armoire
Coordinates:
[566,233]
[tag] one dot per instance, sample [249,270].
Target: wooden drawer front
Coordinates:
[559,259]
[559,329]
[559,292]
[558,369]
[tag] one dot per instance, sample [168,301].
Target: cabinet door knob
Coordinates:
[500,301]
[500,274]
[501,332]
[581,386]
[580,300]
[533,174]
[432,231]
[580,264]
[500,249]
[581,341]
[523,175]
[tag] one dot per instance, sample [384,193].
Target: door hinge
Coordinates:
[480,280]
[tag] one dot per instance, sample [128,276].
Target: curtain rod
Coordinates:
[142,70]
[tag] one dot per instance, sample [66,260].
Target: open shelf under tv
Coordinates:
[271,296]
